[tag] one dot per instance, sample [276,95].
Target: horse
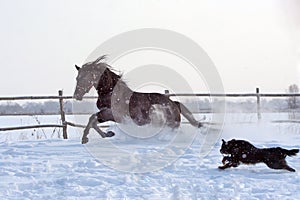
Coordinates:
[116,101]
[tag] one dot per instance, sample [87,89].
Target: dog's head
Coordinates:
[227,147]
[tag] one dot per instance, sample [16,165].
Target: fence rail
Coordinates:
[64,124]
[179,95]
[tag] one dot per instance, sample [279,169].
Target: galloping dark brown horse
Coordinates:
[116,101]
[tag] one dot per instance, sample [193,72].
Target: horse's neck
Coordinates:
[123,87]
[110,82]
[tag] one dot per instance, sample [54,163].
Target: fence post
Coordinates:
[62,114]
[258,104]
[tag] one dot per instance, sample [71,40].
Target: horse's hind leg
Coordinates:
[188,115]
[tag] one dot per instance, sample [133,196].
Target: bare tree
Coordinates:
[293,101]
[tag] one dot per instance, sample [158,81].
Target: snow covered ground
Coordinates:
[36,164]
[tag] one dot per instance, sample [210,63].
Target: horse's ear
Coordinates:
[78,68]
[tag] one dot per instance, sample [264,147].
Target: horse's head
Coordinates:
[85,81]
[88,76]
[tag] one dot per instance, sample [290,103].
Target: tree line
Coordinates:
[195,104]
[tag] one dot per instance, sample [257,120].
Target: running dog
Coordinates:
[241,151]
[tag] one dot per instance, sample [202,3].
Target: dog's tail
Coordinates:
[291,152]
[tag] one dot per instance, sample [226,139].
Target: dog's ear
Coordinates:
[223,141]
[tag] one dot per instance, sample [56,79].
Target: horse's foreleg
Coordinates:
[91,124]
[102,116]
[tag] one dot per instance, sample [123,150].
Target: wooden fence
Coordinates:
[64,124]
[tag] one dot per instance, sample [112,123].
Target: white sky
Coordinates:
[253,43]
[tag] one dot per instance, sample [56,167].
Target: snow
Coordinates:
[47,167]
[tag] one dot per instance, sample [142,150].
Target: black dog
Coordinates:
[241,151]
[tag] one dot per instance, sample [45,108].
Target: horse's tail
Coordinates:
[188,115]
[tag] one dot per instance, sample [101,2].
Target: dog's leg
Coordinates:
[225,159]
[228,165]
[284,165]
[279,164]
[289,168]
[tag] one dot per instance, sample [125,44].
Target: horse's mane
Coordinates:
[100,61]
[97,62]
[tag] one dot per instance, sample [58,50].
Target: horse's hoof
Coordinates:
[84,140]
[109,134]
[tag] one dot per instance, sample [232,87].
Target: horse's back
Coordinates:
[142,105]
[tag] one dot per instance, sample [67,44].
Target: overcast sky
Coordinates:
[253,43]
